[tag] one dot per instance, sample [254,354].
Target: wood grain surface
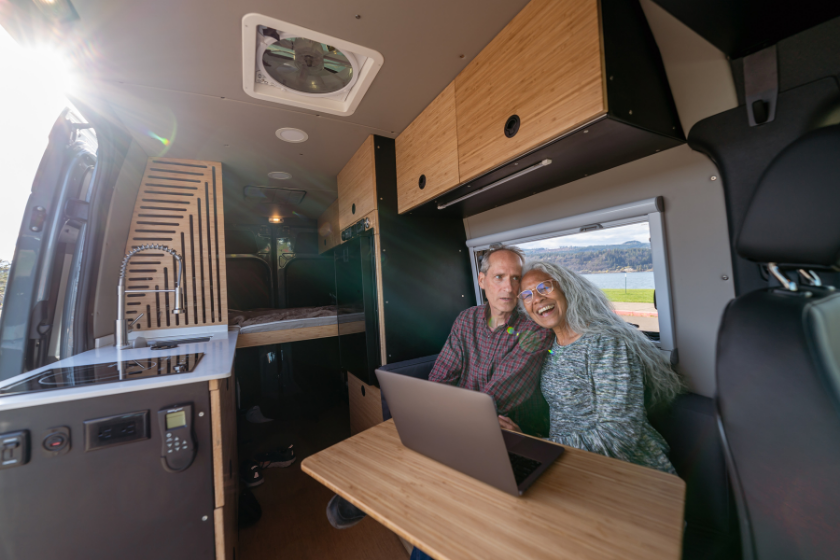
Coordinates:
[225,465]
[357,186]
[329,232]
[179,205]
[546,67]
[429,147]
[585,506]
[365,408]
[293,335]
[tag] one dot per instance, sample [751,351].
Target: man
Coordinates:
[492,349]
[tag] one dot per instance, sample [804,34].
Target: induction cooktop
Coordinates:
[76,376]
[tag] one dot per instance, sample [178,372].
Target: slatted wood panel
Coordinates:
[179,205]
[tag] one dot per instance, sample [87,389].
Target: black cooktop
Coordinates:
[75,376]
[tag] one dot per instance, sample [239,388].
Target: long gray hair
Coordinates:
[589,311]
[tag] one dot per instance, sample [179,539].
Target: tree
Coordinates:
[4,277]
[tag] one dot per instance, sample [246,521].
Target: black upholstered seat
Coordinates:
[778,362]
[248,275]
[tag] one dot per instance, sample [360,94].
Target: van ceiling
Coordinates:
[174,71]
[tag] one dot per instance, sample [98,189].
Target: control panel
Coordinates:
[178,443]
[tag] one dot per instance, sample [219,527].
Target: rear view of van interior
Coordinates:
[239,211]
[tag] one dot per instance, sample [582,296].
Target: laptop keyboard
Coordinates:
[522,466]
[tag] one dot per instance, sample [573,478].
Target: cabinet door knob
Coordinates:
[363,390]
[422,182]
[353,209]
[512,126]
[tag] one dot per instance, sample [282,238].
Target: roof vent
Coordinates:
[289,64]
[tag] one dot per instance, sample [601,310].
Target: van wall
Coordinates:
[116,234]
[697,238]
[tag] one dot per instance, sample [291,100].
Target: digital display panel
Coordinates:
[176,420]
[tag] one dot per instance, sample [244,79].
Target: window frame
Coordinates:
[650,210]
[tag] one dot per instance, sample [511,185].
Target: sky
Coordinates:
[610,236]
[31,98]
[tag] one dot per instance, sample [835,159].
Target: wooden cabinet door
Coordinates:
[365,405]
[329,232]
[357,186]
[545,67]
[427,153]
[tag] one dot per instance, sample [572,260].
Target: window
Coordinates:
[621,250]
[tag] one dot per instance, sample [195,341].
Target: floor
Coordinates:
[293,523]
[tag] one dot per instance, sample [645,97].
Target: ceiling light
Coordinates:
[293,135]
[280,175]
[276,220]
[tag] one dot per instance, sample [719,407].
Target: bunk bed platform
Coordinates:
[278,326]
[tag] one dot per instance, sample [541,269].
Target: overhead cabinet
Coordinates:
[427,153]
[329,232]
[567,89]
[541,76]
[357,186]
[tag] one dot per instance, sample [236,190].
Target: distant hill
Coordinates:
[595,259]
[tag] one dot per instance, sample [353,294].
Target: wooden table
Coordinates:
[584,506]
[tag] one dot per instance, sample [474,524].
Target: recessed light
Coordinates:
[280,175]
[293,135]
[276,220]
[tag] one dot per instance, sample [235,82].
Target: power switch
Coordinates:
[14,449]
[56,441]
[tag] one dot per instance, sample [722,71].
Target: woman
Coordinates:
[597,373]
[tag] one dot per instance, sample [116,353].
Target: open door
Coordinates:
[38,306]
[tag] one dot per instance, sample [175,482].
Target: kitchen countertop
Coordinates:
[217,363]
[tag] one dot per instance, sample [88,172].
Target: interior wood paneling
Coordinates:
[329,232]
[293,335]
[428,148]
[585,505]
[225,464]
[357,186]
[365,404]
[179,205]
[546,67]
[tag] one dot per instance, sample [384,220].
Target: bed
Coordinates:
[277,326]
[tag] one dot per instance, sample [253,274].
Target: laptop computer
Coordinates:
[460,428]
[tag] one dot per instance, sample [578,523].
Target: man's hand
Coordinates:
[508,424]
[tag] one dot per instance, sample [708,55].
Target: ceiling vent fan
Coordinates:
[286,63]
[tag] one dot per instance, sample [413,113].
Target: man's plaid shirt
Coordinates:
[504,363]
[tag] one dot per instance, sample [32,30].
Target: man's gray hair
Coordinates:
[485,258]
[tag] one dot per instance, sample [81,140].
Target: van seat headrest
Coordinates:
[240,242]
[794,215]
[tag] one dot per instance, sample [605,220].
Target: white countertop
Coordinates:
[217,363]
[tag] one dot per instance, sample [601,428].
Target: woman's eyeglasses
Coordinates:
[543,288]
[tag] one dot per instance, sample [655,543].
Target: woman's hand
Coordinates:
[508,424]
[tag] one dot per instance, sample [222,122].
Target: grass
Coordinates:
[634,296]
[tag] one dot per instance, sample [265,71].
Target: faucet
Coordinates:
[121,332]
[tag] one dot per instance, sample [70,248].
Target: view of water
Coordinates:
[615,280]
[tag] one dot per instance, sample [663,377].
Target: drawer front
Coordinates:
[357,186]
[427,153]
[545,68]
[329,232]
[365,405]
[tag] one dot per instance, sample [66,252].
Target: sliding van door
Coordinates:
[40,290]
